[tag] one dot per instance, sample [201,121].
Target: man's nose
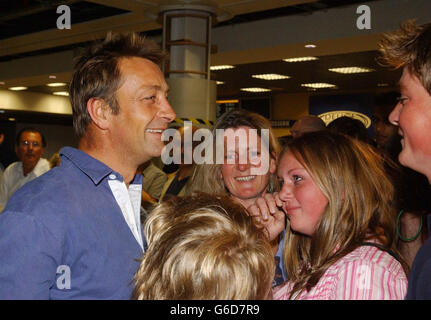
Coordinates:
[394,116]
[166,111]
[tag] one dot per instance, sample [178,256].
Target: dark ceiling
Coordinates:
[19,17]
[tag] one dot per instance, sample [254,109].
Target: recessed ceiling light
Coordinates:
[2,83]
[270,76]
[220,82]
[318,85]
[383,84]
[56,84]
[300,59]
[255,89]
[61,93]
[52,77]
[11,119]
[349,70]
[221,67]
[310,46]
[18,88]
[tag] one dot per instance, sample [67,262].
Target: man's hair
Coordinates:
[351,175]
[29,129]
[97,74]
[204,247]
[351,127]
[410,47]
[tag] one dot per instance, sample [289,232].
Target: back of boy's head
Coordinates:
[204,247]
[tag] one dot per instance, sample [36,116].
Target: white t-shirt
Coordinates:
[13,179]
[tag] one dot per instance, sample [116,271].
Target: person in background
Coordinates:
[351,127]
[410,48]
[204,247]
[29,147]
[176,184]
[75,232]
[384,131]
[237,178]
[309,123]
[55,160]
[153,180]
[340,241]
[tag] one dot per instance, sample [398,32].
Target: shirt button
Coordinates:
[112,177]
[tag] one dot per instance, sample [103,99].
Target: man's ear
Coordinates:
[99,112]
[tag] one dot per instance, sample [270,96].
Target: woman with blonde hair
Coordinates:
[204,247]
[340,238]
[244,180]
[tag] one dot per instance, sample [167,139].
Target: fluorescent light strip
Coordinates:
[270,76]
[61,93]
[350,70]
[220,82]
[221,67]
[56,84]
[255,89]
[18,88]
[300,59]
[318,85]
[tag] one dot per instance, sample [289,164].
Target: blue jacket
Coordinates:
[63,236]
[420,275]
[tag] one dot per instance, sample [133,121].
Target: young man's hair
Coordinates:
[410,47]
[97,74]
[204,247]
[30,129]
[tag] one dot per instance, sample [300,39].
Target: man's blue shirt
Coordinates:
[63,235]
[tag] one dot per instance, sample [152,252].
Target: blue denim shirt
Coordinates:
[63,236]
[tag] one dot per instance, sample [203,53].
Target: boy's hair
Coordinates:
[410,47]
[204,247]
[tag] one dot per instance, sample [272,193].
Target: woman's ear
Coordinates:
[273,162]
[99,112]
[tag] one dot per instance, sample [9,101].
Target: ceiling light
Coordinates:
[310,46]
[255,89]
[56,84]
[349,70]
[221,67]
[2,83]
[270,76]
[318,85]
[300,59]
[18,88]
[61,93]
[383,84]
[52,77]
[220,82]
[11,119]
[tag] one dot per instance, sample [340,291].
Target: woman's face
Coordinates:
[303,201]
[247,165]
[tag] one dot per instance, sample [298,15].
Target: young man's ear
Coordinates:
[99,112]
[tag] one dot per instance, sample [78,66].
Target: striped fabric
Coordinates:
[366,273]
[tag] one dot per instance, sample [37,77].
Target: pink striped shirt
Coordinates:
[367,273]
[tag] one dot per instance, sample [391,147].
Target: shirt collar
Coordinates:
[93,168]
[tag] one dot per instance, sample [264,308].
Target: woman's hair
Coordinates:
[409,46]
[351,175]
[204,247]
[207,177]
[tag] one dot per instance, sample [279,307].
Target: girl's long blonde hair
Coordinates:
[360,206]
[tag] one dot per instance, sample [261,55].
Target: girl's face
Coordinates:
[304,202]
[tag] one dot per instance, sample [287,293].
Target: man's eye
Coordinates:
[402,100]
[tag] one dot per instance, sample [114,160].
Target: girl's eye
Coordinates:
[281,182]
[297,178]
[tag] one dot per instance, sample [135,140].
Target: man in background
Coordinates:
[29,147]
[305,124]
